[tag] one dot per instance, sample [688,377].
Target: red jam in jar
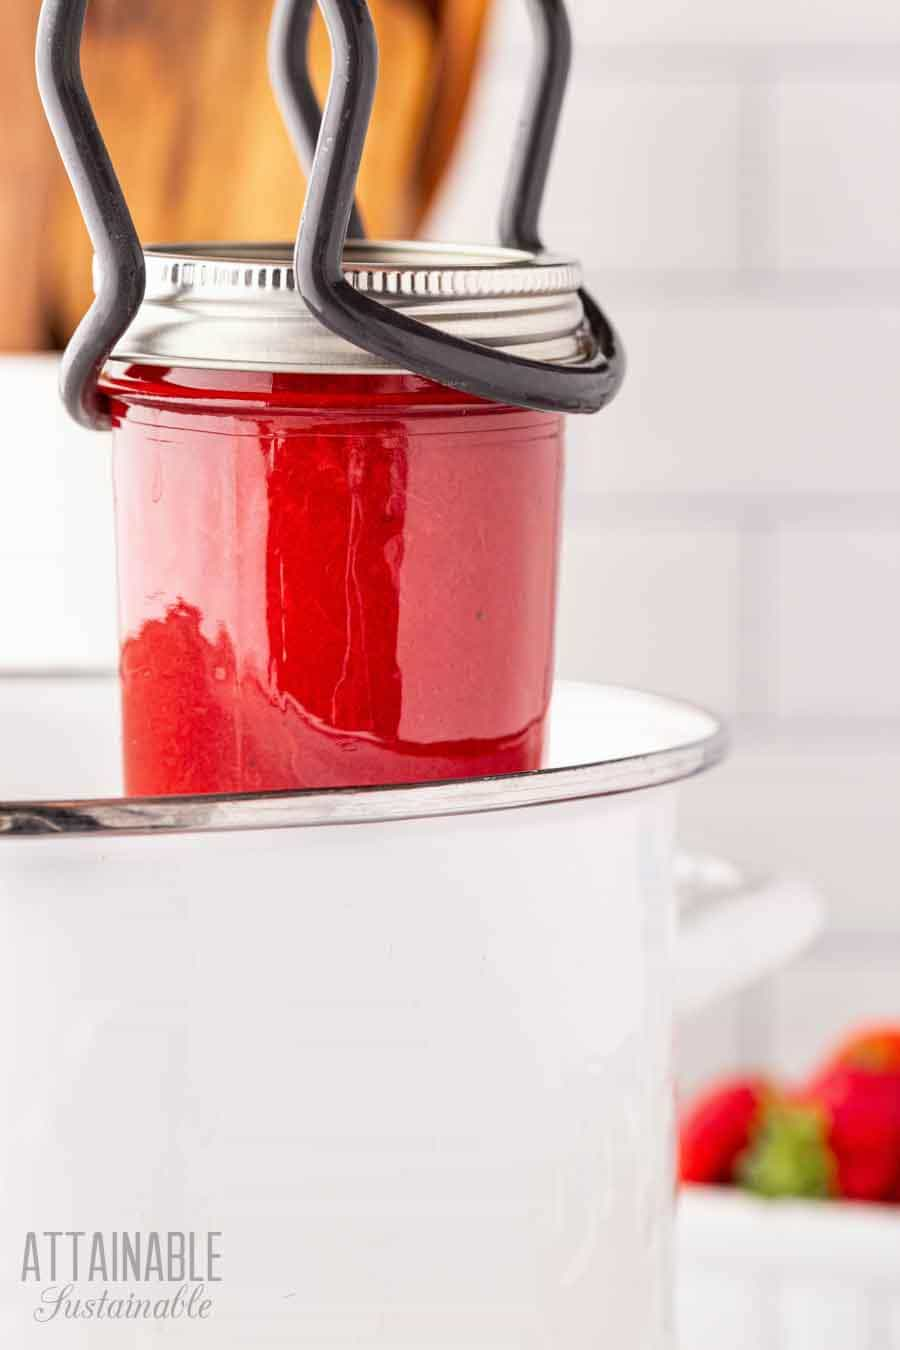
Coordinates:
[329,578]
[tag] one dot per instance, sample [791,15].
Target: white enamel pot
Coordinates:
[407,1050]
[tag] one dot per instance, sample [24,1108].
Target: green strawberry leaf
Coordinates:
[789,1155]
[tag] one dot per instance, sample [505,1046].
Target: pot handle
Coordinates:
[733,932]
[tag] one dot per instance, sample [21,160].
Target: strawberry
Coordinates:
[716,1130]
[863,1109]
[839,1136]
[875,1047]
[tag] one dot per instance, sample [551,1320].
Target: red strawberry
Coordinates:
[717,1129]
[875,1047]
[863,1110]
[840,1136]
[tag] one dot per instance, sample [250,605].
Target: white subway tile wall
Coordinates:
[728,174]
[748,400]
[834,623]
[632,571]
[817,803]
[836,202]
[655,161]
[682,22]
[807,1019]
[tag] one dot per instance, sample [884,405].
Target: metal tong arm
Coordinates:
[120,259]
[389,334]
[532,156]
[291,83]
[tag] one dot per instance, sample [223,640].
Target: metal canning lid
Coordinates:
[235,306]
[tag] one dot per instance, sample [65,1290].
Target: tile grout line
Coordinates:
[755,640]
[755,168]
[673,510]
[670,61]
[770,287]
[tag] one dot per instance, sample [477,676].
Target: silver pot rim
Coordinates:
[702,744]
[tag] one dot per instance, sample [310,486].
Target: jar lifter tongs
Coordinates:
[333,141]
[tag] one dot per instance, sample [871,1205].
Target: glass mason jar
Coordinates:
[332,574]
